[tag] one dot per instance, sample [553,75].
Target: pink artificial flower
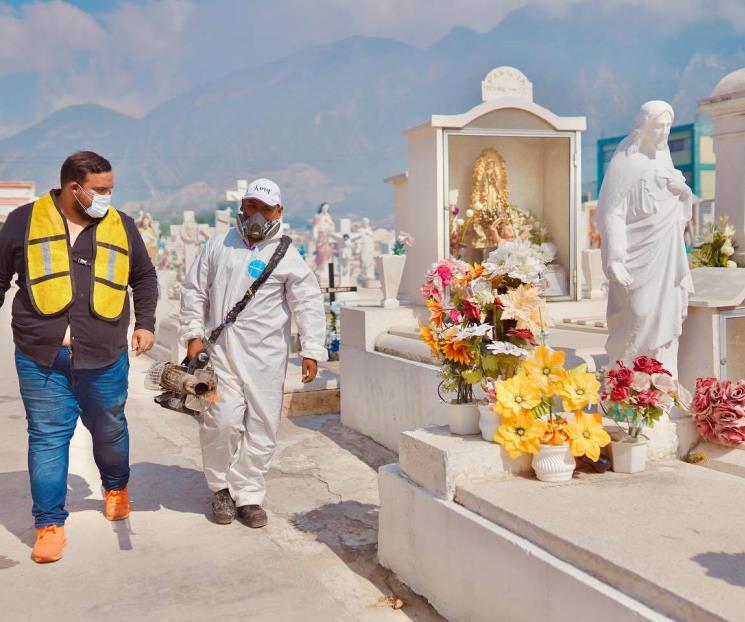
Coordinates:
[736,392]
[471,310]
[430,290]
[704,384]
[455,316]
[646,398]
[730,437]
[705,426]
[445,274]
[702,404]
[717,392]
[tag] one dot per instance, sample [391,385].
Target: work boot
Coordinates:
[49,543]
[116,504]
[223,507]
[253,516]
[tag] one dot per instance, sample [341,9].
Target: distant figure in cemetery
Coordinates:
[323,227]
[191,237]
[76,256]
[239,432]
[367,250]
[643,207]
[149,234]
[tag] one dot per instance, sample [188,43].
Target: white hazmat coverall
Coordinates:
[239,432]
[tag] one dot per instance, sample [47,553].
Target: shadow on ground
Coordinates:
[729,567]
[152,487]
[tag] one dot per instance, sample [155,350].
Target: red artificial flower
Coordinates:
[523,333]
[736,393]
[455,316]
[471,311]
[646,398]
[702,404]
[649,365]
[623,376]
[704,384]
[620,394]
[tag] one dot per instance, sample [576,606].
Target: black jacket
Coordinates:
[96,343]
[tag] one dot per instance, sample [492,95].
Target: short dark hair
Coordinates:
[77,166]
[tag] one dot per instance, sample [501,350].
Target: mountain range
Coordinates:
[326,122]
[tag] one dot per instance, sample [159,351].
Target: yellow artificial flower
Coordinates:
[438,315]
[579,390]
[457,351]
[587,436]
[473,273]
[556,432]
[524,305]
[547,368]
[520,434]
[518,394]
[427,335]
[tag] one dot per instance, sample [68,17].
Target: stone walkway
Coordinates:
[315,561]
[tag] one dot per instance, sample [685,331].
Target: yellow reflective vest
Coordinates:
[49,269]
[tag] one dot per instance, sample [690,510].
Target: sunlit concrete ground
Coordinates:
[315,560]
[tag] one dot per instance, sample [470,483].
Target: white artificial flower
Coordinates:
[728,249]
[731,264]
[505,347]
[484,297]
[548,252]
[663,382]
[641,382]
[729,231]
[665,401]
[469,213]
[684,396]
[518,259]
[460,222]
[477,330]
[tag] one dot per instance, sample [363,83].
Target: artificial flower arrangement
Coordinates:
[638,396]
[719,411]
[484,318]
[404,241]
[716,248]
[543,405]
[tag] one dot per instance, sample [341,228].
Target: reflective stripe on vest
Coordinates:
[48,268]
[110,267]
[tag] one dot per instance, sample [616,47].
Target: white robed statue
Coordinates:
[643,207]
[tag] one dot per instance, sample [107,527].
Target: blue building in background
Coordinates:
[692,151]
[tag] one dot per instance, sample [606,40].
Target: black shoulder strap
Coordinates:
[279,253]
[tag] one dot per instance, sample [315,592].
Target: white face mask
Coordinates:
[99,204]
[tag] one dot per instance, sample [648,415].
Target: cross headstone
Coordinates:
[332,289]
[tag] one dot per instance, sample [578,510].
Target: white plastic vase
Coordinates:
[489,422]
[463,419]
[629,455]
[390,270]
[554,463]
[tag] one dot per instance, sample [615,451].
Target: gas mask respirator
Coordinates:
[256,228]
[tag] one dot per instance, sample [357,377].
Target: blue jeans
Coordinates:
[54,398]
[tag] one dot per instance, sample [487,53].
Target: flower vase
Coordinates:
[629,455]
[489,422]
[554,463]
[390,270]
[463,419]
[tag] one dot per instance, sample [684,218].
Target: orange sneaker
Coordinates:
[49,543]
[117,504]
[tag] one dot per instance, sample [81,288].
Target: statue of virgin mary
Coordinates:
[643,207]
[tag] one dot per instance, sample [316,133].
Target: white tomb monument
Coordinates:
[531,161]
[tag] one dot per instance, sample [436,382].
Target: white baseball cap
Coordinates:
[265,190]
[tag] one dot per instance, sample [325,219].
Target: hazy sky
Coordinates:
[130,55]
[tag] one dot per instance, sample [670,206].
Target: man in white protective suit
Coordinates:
[239,431]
